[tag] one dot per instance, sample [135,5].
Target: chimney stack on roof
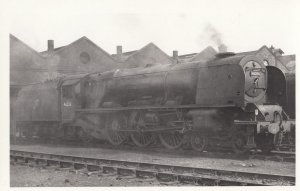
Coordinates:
[119,50]
[222,48]
[50,45]
[175,54]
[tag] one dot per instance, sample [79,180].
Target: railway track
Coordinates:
[162,172]
[279,156]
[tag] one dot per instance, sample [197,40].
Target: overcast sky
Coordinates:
[186,26]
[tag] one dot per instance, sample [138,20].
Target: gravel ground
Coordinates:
[25,176]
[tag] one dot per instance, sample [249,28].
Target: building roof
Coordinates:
[288,61]
[287,58]
[124,56]
[254,51]
[151,44]
[206,54]
[127,55]
[63,48]
[15,39]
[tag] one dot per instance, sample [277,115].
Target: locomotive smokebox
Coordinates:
[222,48]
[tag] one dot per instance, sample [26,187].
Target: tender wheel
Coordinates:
[113,127]
[198,142]
[239,142]
[138,122]
[171,140]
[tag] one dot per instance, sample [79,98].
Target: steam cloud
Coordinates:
[215,36]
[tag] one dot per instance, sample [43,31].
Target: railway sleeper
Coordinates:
[92,168]
[183,170]
[41,162]
[145,174]
[63,165]
[20,160]
[127,172]
[167,177]
[109,170]
[79,166]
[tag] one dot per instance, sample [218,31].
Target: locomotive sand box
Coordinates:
[231,100]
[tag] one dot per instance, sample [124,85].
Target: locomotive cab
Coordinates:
[70,98]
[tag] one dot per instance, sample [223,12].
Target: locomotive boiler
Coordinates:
[219,102]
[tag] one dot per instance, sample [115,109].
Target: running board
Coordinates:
[163,108]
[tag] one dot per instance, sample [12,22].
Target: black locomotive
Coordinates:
[225,101]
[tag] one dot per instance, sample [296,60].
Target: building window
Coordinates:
[85,58]
[266,63]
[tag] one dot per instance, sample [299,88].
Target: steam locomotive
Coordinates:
[229,101]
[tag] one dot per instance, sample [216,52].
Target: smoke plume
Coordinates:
[215,37]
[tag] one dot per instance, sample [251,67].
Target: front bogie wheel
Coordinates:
[239,142]
[265,142]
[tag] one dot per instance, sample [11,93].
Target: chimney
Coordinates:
[222,48]
[119,50]
[175,54]
[50,45]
